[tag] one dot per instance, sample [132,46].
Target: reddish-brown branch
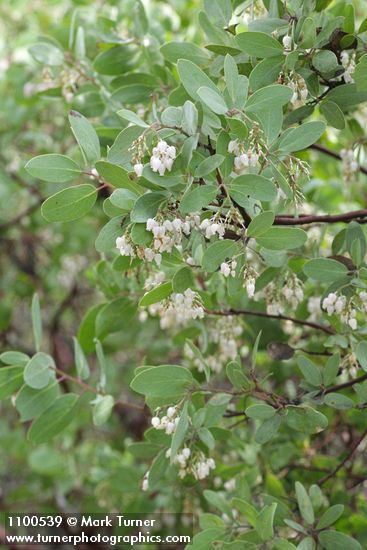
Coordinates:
[353,449]
[348,384]
[316,326]
[358,215]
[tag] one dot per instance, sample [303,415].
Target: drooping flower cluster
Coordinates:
[249,280]
[339,304]
[154,280]
[224,334]
[313,307]
[350,164]
[167,422]
[162,157]
[244,158]
[293,290]
[299,87]
[228,268]
[196,464]
[212,226]
[178,309]
[169,233]
[349,64]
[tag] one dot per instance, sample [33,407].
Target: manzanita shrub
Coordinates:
[217,171]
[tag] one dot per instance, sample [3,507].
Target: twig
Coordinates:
[316,326]
[359,215]
[345,460]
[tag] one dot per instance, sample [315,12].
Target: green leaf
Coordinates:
[14,358]
[106,239]
[117,176]
[282,238]
[231,77]
[302,136]
[123,199]
[36,321]
[237,377]
[116,60]
[190,117]
[173,51]
[37,372]
[146,206]
[81,363]
[304,503]
[193,78]
[305,420]
[102,409]
[361,354]
[157,294]
[325,270]
[360,74]
[332,540]
[272,96]
[164,381]
[208,165]
[260,412]
[338,401]
[132,117]
[115,316]
[260,224]
[333,114]
[331,369]
[206,437]
[69,204]
[268,430]
[30,403]
[325,61]
[218,252]
[53,168]
[265,522]
[310,371]
[11,378]
[180,432]
[330,516]
[212,99]
[86,137]
[54,419]
[197,198]
[183,279]
[259,44]
[47,54]
[253,186]
[158,469]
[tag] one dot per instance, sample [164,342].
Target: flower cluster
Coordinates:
[178,309]
[162,157]
[249,280]
[167,422]
[293,291]
[350,164]
[196,464]
[349,64]
[228,268]
[154,280]
[168,233]
[243,158]
[313,307]
[299,87]
[342,307]
[212,226]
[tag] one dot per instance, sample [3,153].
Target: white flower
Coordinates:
[233,146]
[225,269]
[186,452]
[155,421]
[287,42]
[138,169]
[125,248]
[171,411]
[162,157]
[145,484]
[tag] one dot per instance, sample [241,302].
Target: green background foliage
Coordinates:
[266,369]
